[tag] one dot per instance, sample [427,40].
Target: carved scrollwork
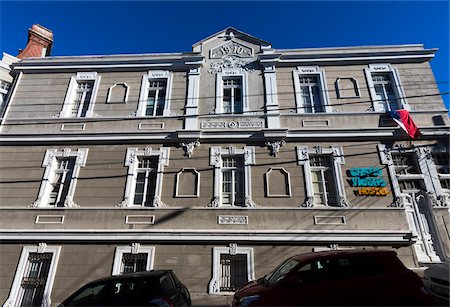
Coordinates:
[275,146]
[233,248]
[443,200]
[343,202]
[249,202]
[157,202]
[309,202]
[215,202]
[135,248]
[69,203]
[229,62]
[189,148]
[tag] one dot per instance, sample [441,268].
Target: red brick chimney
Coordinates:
[40,40]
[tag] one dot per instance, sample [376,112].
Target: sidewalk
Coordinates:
[202,299]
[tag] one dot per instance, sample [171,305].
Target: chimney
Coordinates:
[40,40]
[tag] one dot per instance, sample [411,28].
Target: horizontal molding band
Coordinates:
[380,237]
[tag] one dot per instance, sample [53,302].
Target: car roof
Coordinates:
[347,252]
[143,274]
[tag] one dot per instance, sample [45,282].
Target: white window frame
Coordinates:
[287,182]
[233,249]
[341,93]
[127,91]
[71,92]
[155,75]
[438,176]
[134,248]
[380,106]
[4,89]
[310,71]
[132,161]
[196,183]
[215,159]
[231,73]
[337,155]
[51,163]
[13,298]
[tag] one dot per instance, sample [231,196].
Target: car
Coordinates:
[333,278]
[436,280]
[149,288]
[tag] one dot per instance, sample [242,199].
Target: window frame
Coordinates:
[380,106]
[311,71]
[71,92]
[337,159]
[132,161]
[13,298]
[233,249]
[248,157]
[134,248]
[50,163]
[227,73]
[154,75]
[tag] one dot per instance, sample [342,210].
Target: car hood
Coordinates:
[440,271]
[253,287]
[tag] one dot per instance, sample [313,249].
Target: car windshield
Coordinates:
[280,272]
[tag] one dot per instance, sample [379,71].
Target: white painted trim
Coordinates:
[341,94]
[50,163]
[197,182]
[192,102]
[271,95]
[337,154]
[132,161]
[155,75]
[378,106]
[56,217]
[20,271]
[213,287]
[215,159]
[10,99]
[287,182]
[127,91]
[120,250]
[70,94]
[231,72]
[314,71]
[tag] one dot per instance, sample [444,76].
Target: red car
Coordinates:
[333,278]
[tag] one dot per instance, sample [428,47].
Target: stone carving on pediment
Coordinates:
[231,48]
[189,148]
[275,146]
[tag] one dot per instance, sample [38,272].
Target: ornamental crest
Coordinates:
[231,61]
[231,49]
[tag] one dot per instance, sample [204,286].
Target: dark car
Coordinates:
[333,278]
[436,279]
[150,288]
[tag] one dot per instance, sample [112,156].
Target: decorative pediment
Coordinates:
[231,49]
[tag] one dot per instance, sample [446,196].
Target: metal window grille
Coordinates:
[233,272]
[232,96]
[132,263]
[156,97]
[323,180]
[145,188]
[310,93]
[232,180]
[82,99]
[384,90]
[60,183]
[34,279]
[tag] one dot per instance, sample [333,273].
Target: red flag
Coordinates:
[404,120]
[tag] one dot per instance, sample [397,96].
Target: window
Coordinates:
[441,162]
[385,88]
[323,180]
[232,268]
[60,177]
[407,171]
[233,179]
[134,258]
[232,95]
[80,97]
[4,88]
[155,94]
[310,90]
[145,175]
[231,86]
[34,277]
[323,175]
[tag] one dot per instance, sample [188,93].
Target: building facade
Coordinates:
[217,163]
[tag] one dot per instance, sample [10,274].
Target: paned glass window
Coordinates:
[156,97]
[441,162]
[310,93]
[323,180]
[384,90]
[232,96]
[60,183]
[232,180]
[34,279]
[4,88]
[146,181]
[406,165]
[233,272]
[83,93]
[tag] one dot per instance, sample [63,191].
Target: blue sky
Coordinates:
[114,27]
